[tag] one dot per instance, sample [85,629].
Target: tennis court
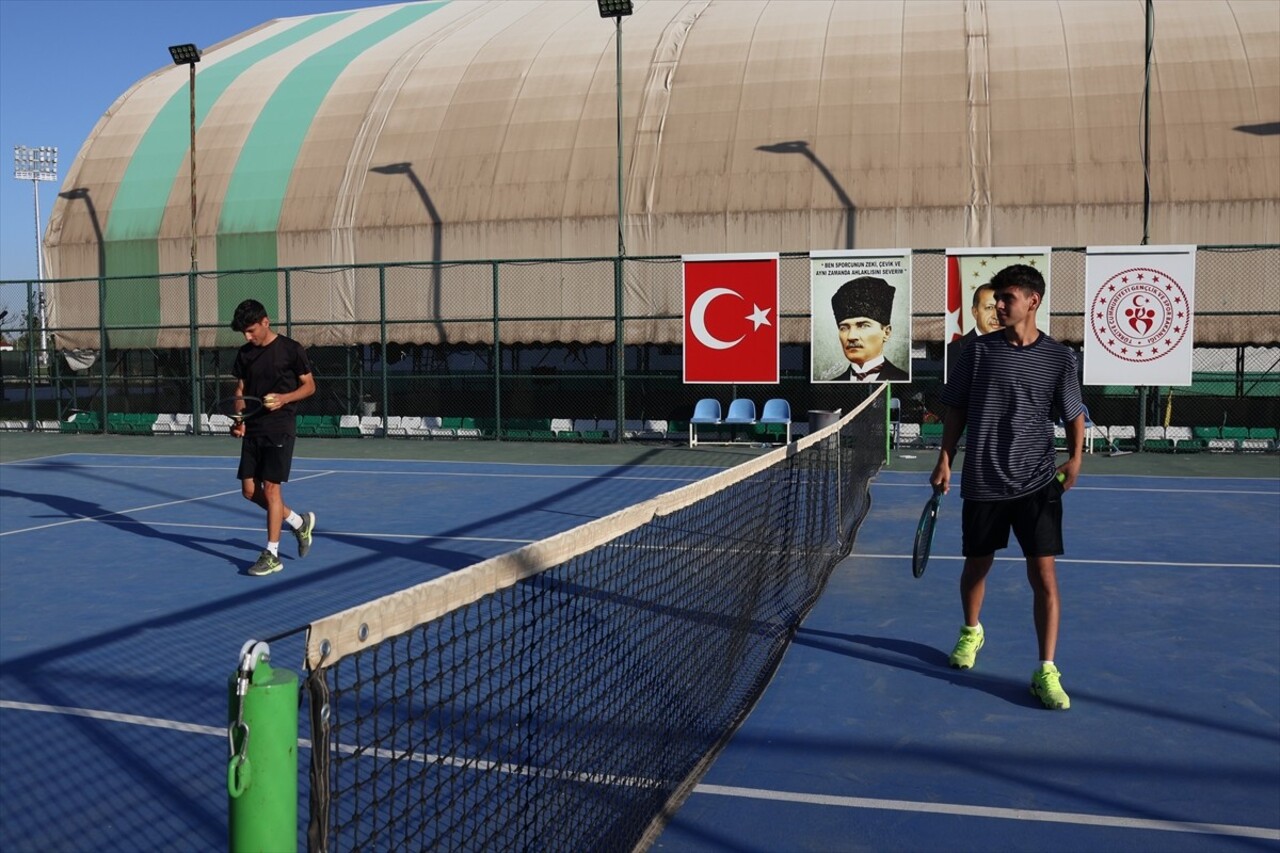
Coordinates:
[122,607]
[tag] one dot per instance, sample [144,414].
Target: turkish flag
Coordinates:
[731,318]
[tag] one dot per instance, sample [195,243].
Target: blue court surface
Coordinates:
[123,604]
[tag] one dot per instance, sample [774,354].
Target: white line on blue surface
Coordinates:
[957,809]
[1117,562]
[993,812]
[101,516]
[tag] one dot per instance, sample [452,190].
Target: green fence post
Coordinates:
[193,318]
[382,342]
[497,359]
[888,425]
[31,355]
[620,344]
[262,774]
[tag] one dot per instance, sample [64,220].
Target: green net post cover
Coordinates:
[262,771]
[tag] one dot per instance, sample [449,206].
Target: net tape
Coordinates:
[568,695]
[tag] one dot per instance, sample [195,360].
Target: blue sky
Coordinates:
[63,63]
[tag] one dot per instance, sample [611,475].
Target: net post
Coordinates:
[262,773]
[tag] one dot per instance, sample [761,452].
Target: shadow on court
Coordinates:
[71,509]
[122,615]
[927,661]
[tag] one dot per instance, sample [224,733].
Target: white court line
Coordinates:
[503,474]
[334,533]
[988,811]
[143,508]
[1192,493]
[1095,475]
[1076,818]
[1091,562]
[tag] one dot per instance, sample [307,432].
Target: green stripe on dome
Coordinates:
[255,196]
[137,212]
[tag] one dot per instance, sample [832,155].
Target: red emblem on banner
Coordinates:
[731,319]
[1140,314]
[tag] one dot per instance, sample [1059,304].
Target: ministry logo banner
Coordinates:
[1139,304]
[731,318]
[860,315]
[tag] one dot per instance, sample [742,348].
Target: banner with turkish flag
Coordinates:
[731,318]
[970,302]
[1139,303]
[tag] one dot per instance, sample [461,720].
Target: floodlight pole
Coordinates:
[40,300]
[189,55]
[192,88]
[36,165]
[618,9]
[622,243]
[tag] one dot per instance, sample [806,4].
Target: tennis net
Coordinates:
[570,694]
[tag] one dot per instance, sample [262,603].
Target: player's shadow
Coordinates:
[71,509]
[914,657]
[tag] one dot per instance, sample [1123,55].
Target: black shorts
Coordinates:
[1036,519]
[266,458]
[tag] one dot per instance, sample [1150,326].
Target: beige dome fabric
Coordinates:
[470,130]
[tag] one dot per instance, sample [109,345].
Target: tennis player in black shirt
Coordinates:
[274,368]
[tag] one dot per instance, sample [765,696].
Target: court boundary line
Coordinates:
[1039,815]
[327,532]
[83,518]
[233,457]
[1199,490]
[836,800]
[234,461]
[957,558]
[924,476]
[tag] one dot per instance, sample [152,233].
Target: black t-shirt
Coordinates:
[273,369]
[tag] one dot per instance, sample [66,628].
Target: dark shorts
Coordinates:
[266,458]
[1036,519]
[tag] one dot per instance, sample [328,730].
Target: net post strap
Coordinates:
[334,637]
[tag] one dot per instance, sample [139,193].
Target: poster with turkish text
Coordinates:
[860,315]
[731,318]
[1139,303]
[971,303]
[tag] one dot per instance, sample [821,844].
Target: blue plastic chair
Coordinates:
[706,411]
[777,411]
[741,411]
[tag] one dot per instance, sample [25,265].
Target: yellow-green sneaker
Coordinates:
[266,564]
[965,654]
[303,533]
[1046,685]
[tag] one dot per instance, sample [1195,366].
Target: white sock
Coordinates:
[977,628]
[274,548]
[294,520]
[1045,663]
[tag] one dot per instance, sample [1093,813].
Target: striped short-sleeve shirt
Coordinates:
[1011,396]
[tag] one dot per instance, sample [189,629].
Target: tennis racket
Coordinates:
[239,408]
[924,533]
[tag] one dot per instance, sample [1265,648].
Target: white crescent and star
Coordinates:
[698,318]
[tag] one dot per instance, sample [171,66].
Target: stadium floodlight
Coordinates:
[184,54]
[189,55]
[614,8]
[36,165]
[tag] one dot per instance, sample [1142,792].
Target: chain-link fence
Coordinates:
[578,349]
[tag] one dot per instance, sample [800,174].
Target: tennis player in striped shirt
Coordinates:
[1003,395]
